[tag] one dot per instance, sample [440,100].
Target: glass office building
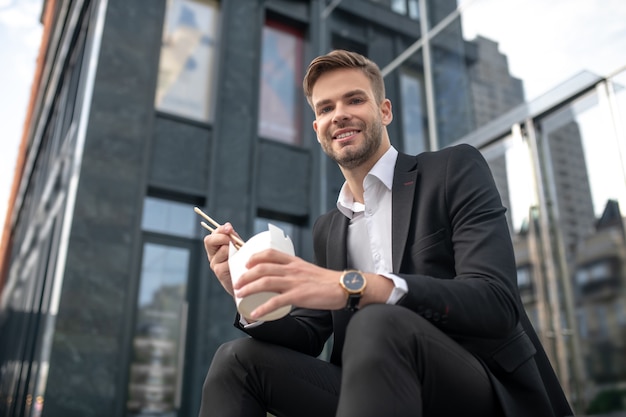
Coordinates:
[145,109]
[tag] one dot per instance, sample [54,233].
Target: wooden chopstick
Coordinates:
[236,240]
[207,227]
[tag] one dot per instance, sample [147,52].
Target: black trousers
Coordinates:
[395,363]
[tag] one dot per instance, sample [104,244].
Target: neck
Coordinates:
[355,176]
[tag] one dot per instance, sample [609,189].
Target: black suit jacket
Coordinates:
[451,243]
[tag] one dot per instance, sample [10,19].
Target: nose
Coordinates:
[341,113]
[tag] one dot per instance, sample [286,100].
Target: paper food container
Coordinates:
[274,238]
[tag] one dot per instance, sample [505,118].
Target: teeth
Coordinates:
[346,134]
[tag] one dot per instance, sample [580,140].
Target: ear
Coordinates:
[315,129]
[385,111]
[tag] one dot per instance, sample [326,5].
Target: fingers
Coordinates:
[269,256]
[217,239]
[257,283]
[216,245]
[266,264]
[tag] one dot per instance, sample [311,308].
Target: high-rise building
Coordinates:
[493,92]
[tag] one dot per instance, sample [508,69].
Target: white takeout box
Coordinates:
[274,238]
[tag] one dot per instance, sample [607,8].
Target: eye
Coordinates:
[357,100]
[323,110]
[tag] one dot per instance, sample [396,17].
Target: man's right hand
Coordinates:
[216,245]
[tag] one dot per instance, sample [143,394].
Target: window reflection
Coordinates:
[451,81]
[169,217]
[413,113]
[281,75]
[522,193]
[617,91]
[187,63]
[155,370]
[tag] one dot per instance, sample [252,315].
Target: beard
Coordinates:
[351,156]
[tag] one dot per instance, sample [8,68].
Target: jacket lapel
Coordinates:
[403,192]
[337,248]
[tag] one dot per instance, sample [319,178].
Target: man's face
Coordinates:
[348,121]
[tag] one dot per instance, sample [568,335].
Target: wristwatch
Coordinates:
[354,283]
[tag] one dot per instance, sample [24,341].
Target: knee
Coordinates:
[230,363]
[232,354]
[375,327]
[379,332]
[375,320]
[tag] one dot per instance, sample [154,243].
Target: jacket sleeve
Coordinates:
[460,270]
[303,330]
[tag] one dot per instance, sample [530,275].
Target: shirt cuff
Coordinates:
[400,288]
[244,323]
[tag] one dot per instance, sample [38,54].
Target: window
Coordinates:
[406,7]
[583,328]
[413,113]
[602,321]
[170,217]
[156,368]
[620,312]
[188,59]
[524,278]
[170,238]
[280,89]
[597,272]
[600,271]
[582,276]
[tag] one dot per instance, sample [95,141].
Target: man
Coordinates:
[415,279]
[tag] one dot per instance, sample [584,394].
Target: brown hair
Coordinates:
[338,59]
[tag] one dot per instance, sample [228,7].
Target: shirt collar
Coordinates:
[383,170]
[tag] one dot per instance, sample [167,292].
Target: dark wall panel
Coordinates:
[284,179]
[179,157]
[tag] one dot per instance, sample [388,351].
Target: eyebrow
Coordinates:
[346,95]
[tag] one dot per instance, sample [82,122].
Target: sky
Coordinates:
[546,43]
[549,41]
[20,37]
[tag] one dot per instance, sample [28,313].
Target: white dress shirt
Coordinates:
[369,233]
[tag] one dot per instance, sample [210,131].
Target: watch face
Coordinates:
[353,281]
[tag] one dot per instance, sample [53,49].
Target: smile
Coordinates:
[346,134]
